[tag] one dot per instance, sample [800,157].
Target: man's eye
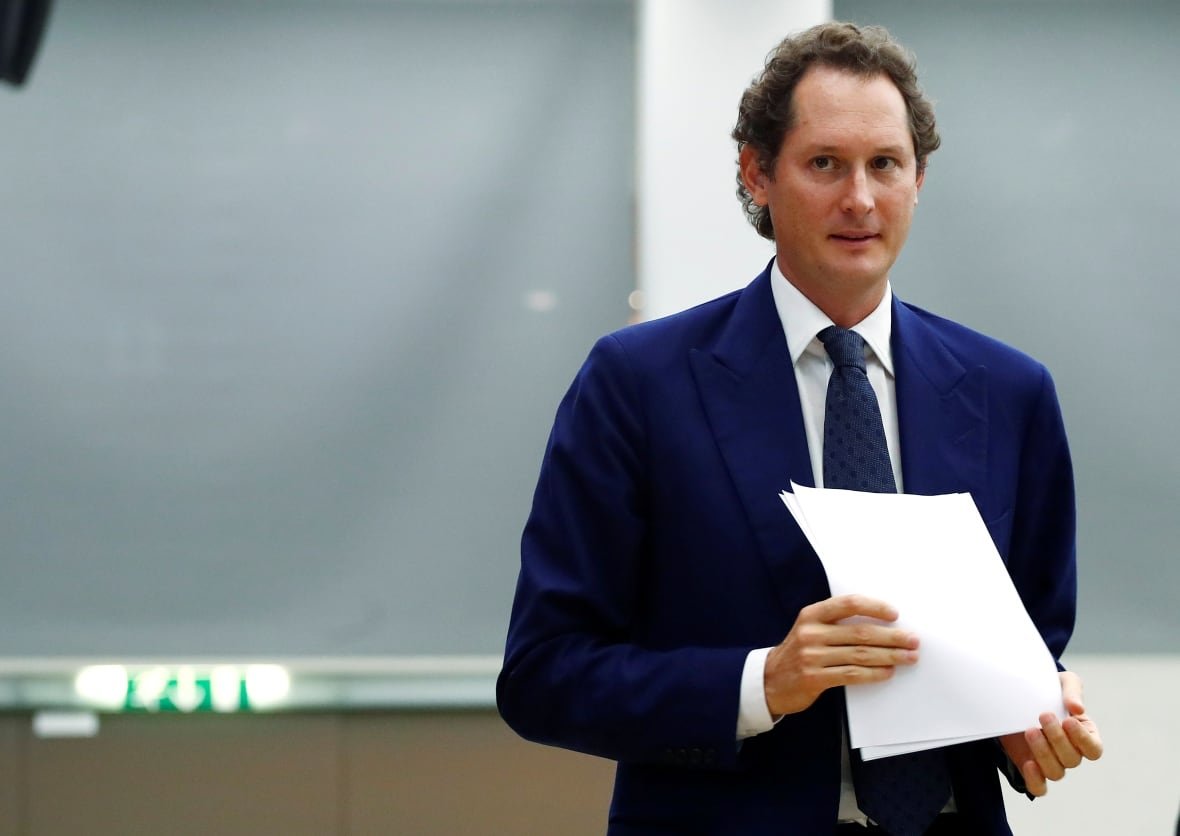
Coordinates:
[823,163]
[884,163]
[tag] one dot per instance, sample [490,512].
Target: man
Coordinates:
[660,571]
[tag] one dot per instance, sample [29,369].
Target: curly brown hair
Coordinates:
[766,112]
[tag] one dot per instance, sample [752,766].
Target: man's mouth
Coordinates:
[854,236]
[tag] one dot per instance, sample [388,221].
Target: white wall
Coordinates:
[1135,788]
[695,59]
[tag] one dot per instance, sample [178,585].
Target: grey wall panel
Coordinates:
[290,293]
[1049,220]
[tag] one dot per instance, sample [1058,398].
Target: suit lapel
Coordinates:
[747,385]
[748,388]
[941,411]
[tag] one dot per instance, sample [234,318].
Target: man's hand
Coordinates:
[820,653]
[1046,753]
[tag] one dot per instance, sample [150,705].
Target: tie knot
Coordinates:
[846,348]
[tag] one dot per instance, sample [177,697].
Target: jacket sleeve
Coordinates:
[576,672]
[1042,554]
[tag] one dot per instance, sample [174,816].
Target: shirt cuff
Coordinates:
[753,715]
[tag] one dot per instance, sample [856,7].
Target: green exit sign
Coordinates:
[186,695]
[183,688]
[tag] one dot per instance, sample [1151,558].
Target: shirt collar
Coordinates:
[802,320]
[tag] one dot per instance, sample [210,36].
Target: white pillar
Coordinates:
[695,59]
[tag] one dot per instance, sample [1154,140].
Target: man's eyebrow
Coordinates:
[884,150]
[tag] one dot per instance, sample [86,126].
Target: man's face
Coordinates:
[843,189]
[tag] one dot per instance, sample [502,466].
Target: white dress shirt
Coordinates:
[802,321]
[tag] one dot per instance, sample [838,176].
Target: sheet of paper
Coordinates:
[983,669]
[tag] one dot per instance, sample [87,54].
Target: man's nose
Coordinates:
[858,196]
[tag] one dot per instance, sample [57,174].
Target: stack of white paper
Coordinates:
[983,669]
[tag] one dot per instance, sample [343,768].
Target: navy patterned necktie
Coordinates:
[903,793]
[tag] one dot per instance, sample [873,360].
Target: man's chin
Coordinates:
[864,276]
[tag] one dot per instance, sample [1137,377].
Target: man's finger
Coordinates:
[819,680]
[1034,781]
[869,634]
[857,674]
[836,609]
[1071,692]
[869,656]
[1044,755]
[1063,747]
[1083,736]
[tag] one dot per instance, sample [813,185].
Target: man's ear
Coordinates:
[753,176]
[921,178]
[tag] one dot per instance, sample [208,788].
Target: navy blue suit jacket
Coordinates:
[658,554]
